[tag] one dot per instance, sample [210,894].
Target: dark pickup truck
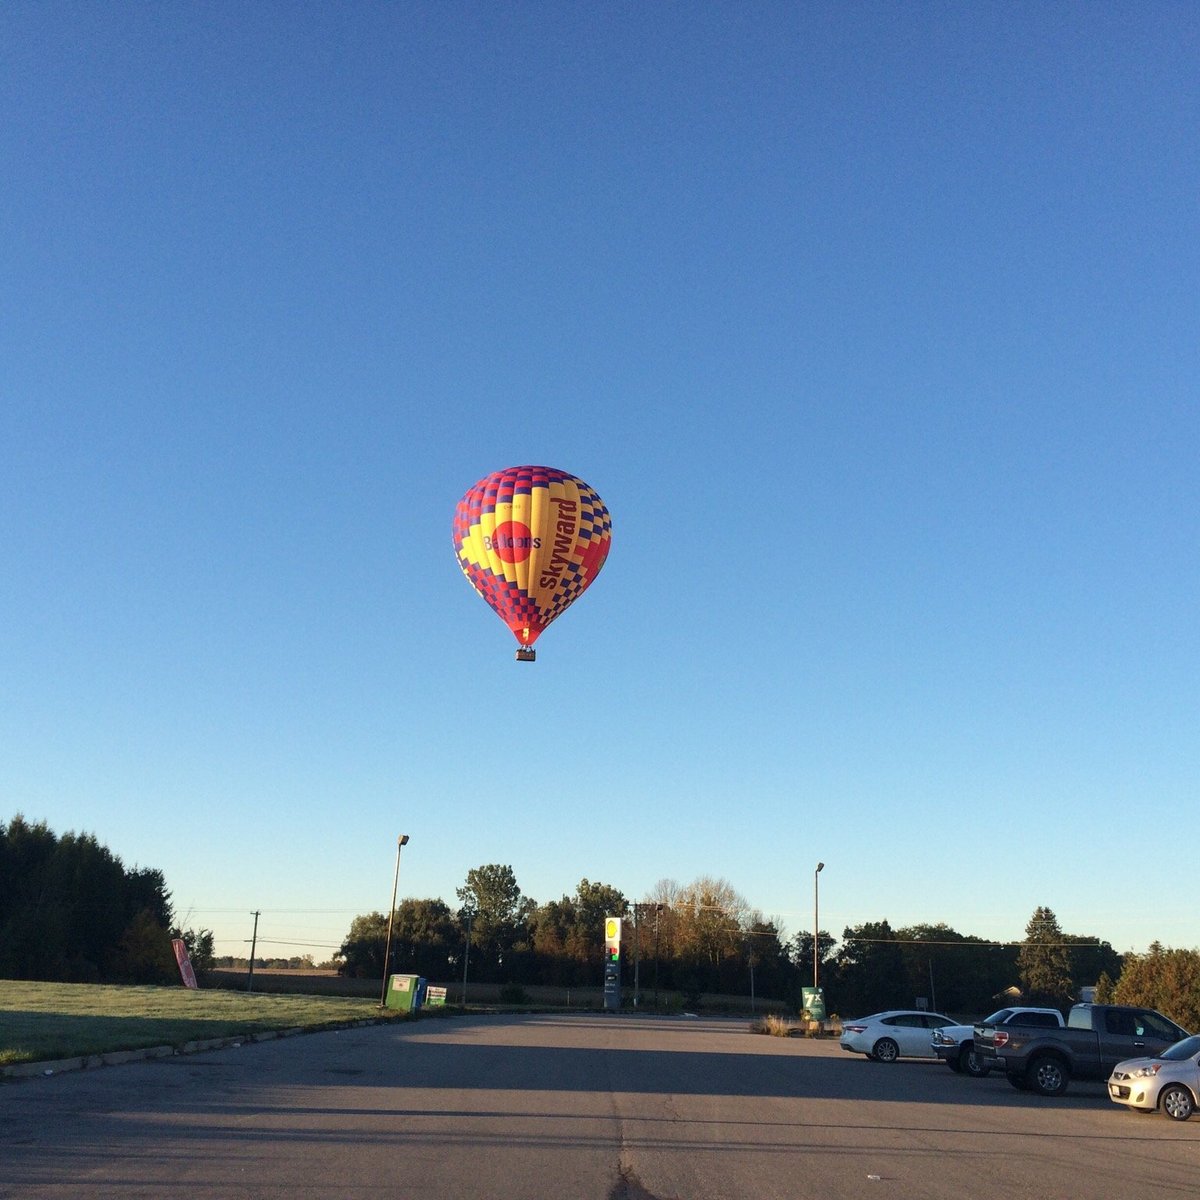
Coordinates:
[1097,1037]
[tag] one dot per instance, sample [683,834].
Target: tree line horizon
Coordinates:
[704,938]
[71,911]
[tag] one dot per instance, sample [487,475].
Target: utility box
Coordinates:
[404,993]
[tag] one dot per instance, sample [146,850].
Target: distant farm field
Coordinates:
[44,1021]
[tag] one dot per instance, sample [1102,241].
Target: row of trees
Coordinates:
[704,937]
[877,967]
[70,910]
[297,962]
[701,937]
[1168,980]
[511,939]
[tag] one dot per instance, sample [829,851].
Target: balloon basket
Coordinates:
[526,654]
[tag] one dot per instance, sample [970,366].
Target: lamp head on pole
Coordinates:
[820,868]
[404,841]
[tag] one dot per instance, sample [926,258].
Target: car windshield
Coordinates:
[1184,1049]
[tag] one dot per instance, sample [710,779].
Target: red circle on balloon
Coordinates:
[512,541]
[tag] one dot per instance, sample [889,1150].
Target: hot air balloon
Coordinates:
[531,540]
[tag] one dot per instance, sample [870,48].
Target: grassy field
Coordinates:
[42,1021]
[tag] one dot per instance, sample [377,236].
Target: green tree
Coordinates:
[1163,979]
[361,953]
[1044,961]
[1090,957]
[871,972]
[767,954]
[69,910]
[144,953]
[551,929]
[30,921]
[592,903]
[567,935]
[424,937]
[801,953]
[959,973]
[499,916]
[199,943]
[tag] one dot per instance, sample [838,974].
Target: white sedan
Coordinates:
[898,1033]
[1170,1081]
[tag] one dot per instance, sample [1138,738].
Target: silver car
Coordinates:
[890,1035]
[1170,1081]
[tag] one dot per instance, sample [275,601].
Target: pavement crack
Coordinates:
[629,1187]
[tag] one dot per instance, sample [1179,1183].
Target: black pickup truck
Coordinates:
[1097,1037]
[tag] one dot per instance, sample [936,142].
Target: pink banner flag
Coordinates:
[185,963]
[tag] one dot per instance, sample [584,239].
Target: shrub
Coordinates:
[773,1026]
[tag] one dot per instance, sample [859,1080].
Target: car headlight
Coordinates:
[1151,1070]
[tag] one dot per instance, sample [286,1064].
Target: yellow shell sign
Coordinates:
[612,929]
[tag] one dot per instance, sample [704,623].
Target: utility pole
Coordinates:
[253,946]
[750,959]
[637,956]
[657,910]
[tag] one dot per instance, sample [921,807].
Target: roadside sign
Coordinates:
[813,1002]
[185,963]
[612,962]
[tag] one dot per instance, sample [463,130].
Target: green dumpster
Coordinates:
[402,993]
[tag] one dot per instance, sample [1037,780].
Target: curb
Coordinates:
[116,1058]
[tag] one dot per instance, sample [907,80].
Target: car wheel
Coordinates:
[1048,1076]
[1018,1081]
[971,1063]
[1176,1101]
[886,1050]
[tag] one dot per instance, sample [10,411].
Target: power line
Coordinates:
[969,945]
[326,912]
[276,942]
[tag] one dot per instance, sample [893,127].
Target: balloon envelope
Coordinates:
[531,540]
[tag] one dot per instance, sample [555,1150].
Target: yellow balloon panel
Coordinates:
[531,540]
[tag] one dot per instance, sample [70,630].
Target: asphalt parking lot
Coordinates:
[577,1107]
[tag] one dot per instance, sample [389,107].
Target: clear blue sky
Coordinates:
[876,326]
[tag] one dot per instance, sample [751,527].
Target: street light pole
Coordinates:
[816,921]
[401,842]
